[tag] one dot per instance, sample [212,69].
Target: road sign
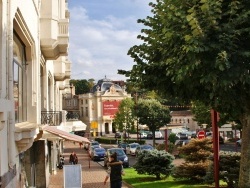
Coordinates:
[201,134]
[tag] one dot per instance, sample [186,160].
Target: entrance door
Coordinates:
[106,128]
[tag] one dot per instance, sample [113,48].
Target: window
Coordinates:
[19,82]
[86,101]
[82,111]
[86,111]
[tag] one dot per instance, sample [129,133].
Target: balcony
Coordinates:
[52,118]
[54,37]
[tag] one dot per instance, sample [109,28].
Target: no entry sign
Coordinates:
[201,134]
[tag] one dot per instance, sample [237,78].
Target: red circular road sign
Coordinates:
[201,134]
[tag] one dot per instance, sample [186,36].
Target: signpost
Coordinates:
[201,134]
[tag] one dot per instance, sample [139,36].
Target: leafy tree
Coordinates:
[154,163]
[201,113]
[125,117]
[199,50]
[152,113]
[81,86]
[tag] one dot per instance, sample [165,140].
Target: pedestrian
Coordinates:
[73,158]
[114,172]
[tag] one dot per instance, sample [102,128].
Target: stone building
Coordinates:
[97,108]
[183,119]
[35,73]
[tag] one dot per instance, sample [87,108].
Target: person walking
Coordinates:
[114,172]
[73,158]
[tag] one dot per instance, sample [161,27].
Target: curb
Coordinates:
[126,184]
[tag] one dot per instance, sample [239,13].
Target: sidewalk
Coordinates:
[93,174]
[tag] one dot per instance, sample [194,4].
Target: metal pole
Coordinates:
[166,140]
[214,117]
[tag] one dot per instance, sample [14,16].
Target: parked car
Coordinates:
[158,135]
[179,143]
[238,142]
[121,156]
[92,143]
[92,148]
[150,135]
[118,135]
[143,134]
[143,148]
[123,146]
[130,148]
[98,154]
[182,136]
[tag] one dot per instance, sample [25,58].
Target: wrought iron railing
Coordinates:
[52,118]
[73,115]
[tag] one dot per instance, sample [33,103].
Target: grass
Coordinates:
[145,181]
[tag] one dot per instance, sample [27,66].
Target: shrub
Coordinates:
[154,162]
[172,138]
[195,154]
[162,147]
[229,167]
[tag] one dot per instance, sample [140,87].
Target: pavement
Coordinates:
[93,174]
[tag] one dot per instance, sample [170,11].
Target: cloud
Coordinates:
[99,42]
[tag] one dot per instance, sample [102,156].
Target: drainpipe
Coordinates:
[9,87]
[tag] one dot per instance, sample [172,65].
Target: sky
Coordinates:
[100,35]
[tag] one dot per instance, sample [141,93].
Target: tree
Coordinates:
[152,113]
[82,86]
[154,163]
[125,117]
[201,113]
[199,50]
[196,154]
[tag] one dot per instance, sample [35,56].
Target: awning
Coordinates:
[74,125]
[63,134]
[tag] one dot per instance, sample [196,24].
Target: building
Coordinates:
[182,119]
[35,73]
[97,108]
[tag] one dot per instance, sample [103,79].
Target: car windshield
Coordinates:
[94,143]
[99,149]
[146,147]
[134,145]
[119,152]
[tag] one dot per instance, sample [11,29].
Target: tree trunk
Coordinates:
[244,176]
[158,176]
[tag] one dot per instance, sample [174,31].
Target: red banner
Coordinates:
[110,107]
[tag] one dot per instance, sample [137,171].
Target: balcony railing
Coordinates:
[73,115]
[51,118]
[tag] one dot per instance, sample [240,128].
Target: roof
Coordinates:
[181,113]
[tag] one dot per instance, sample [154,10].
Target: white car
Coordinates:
[130,148]
[143,135]
[158,134]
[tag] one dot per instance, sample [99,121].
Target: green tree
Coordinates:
[81,86]
[152,113]
[199,50]
[125,116]
[201,113]
[154,163]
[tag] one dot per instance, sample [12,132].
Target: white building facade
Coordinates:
[97,108]
[35,73]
